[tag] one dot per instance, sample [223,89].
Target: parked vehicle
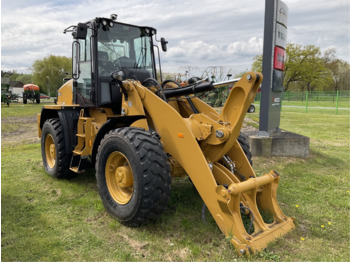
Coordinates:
[43,96]
[32,93]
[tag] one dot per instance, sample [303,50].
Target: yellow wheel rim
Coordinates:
[50,151]
[119,178]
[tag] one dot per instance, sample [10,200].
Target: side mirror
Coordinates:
[164,44]
[80,31]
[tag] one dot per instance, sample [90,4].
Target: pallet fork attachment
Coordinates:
[202,144]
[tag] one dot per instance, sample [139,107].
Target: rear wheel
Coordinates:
[246,148]
[132,175]
[55,159]
[24,100]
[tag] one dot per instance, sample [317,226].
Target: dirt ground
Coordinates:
[25,130]
[248,125]
[22,130]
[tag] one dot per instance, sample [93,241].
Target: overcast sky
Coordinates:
[201,33]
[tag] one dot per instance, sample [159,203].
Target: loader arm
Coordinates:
[200,142]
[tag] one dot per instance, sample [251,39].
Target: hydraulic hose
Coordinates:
[154,82]
[252,218]
[187,90]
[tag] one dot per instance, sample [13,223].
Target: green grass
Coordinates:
[64,220]
[315,190]
[313,103]
[20,110]
[48,219]
[317,108]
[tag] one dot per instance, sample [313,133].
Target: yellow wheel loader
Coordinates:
[140,132]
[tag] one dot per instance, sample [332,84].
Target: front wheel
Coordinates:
[55,158]
[133,177]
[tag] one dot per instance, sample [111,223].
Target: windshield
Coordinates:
[124,47]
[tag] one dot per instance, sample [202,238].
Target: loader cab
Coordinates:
[102,47]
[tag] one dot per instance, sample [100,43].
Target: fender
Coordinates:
[113,123]
[69,119]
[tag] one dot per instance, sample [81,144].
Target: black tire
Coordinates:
[148,194]
[251,109]
[55,159]
[246,148]
[24,100]
[38,100]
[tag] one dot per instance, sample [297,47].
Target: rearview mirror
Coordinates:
[164,44]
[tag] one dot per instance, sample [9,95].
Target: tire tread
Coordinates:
[156,173]
[63,162]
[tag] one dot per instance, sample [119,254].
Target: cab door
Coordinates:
[82,70]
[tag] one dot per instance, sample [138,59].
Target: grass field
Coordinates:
[328,104]
[47,219]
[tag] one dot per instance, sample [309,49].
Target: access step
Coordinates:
[78,163]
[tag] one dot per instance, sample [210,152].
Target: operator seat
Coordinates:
[105,66]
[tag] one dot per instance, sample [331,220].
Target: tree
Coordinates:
[305,65]
[14,76]
[24,78]
[304,68]
[7,73]
[340,70]
[50,71]
[257,63]
[11,75]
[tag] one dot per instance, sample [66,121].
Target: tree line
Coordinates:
[307,69]
[47,73]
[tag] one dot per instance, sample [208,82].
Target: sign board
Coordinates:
[281,36]
[275,41]
[277,85]
[278,61]
[282,13]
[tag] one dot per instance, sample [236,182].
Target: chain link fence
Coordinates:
[336,100]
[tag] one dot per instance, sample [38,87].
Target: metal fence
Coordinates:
[337,100]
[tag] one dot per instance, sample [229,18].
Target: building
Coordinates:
[16,87]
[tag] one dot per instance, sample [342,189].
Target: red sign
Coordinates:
[278,61]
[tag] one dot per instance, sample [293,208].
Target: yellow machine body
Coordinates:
[203,145]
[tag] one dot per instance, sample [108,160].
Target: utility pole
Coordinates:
[48,85]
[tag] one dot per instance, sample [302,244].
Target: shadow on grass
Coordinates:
[84,178]
[182,220]
[328,158]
